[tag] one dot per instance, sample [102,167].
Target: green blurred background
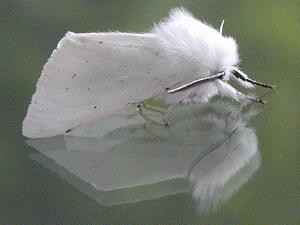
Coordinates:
[268,35]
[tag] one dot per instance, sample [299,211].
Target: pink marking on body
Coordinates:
[192,95]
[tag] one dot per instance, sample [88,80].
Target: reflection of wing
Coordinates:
[129,160]
[113,196]
[91,75]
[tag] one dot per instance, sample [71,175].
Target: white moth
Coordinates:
[91,75]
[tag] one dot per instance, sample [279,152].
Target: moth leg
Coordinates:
[168,113]
[140,106]
[167,124]
[183,87]
[227,90]
[253,99]
[166,120]
[240,75]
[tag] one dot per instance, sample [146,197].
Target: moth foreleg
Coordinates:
[253,99]
[140,106]
[227,90]
[168,113]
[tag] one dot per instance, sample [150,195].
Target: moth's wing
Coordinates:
[90,75]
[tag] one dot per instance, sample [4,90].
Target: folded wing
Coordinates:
[91,75]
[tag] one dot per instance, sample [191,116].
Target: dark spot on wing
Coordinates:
[67,89]
[95,107]
[74,75]
[156,53]
[68,131]
[100,42]
[86,61]
[88,89]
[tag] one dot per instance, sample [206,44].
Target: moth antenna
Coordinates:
[241,75]
[221,26]
[194,83]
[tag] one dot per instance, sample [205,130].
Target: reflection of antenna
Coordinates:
[221,27]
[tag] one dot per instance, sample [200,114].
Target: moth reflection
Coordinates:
[128,157]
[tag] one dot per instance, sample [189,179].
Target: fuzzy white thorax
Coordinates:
[188,40]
